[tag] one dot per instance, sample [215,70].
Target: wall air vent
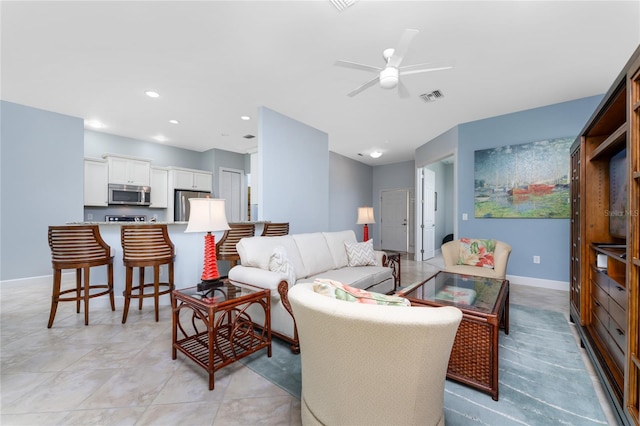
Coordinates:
[431,97]
[248,136]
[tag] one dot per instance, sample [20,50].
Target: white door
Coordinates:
[429,214]
[231,190]
[394,218]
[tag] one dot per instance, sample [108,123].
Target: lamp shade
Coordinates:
[365,215]
[207,215]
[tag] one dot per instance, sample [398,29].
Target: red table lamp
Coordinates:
[365,216]
[208,215]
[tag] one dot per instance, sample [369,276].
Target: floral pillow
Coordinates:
[476,252]
[340,291]
[279,262]
[360,254]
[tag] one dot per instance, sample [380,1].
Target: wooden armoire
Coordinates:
[605,241]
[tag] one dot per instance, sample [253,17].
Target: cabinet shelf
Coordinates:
[614,142]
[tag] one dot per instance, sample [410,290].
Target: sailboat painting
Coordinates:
[530,180]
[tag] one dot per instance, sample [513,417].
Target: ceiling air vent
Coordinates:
[248,136]
[342,4]
[431,97]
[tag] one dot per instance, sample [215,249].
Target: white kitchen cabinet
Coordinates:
[96,182]
[194,180]
[159,188]
[129,171]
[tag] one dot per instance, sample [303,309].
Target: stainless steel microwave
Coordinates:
[130,195]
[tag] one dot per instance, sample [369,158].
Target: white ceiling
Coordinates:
[213,61]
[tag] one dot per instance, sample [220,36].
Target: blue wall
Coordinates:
[547,238]
[350,185]
[41,184]
[294,177]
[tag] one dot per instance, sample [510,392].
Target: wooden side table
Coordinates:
[393,261]
[214,330]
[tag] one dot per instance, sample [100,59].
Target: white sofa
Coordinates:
[365,364]
[313,255]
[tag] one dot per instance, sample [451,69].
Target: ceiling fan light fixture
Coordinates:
[389,78]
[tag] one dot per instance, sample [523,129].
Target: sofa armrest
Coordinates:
[381,257]
[247,277]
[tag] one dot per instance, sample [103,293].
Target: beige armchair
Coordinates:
[371,364]
[451,250]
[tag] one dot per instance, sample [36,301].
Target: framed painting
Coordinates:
[530,180]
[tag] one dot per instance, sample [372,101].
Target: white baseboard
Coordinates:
[538,282]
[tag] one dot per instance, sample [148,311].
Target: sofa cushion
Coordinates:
[360,254]
[476,252]
[257,251]
[340,291]
[314,251]
[279,262]
[335,241]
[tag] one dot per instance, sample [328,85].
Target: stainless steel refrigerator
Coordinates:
[181,203]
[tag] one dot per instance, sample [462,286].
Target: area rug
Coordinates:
[542,376]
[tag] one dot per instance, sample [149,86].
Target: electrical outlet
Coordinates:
[465,216]
[536,259]
[89,216]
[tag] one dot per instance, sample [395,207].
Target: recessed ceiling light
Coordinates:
[245,118]
[152,94]
[375,154]
[94,124]
[174,122]
[160,138]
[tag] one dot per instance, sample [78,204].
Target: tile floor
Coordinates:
[113,374]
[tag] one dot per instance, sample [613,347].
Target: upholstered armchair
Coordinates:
[371,364]
[451,253]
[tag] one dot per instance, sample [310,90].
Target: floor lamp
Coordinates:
[208,215]
[365,217]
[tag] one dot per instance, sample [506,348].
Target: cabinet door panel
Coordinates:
[202,181]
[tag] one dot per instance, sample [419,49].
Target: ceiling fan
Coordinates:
[389,76]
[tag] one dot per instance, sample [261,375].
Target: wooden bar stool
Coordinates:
[226,247]
[146,245]
[79,247]
[273,229]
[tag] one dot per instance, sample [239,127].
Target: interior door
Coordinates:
[429,214]
[231,190]
[394,218]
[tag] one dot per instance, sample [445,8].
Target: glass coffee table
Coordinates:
[484,303]
[213,329]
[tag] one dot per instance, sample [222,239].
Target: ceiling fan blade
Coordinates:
[427,67]
[368,84]
[403,46]
[357,66]
[403,92]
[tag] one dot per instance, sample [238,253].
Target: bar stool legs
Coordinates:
[138,291]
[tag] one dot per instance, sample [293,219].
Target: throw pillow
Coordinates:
[360,254]
[476,252]
[340,291]
[279,262]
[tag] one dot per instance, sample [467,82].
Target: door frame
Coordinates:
[420,201]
